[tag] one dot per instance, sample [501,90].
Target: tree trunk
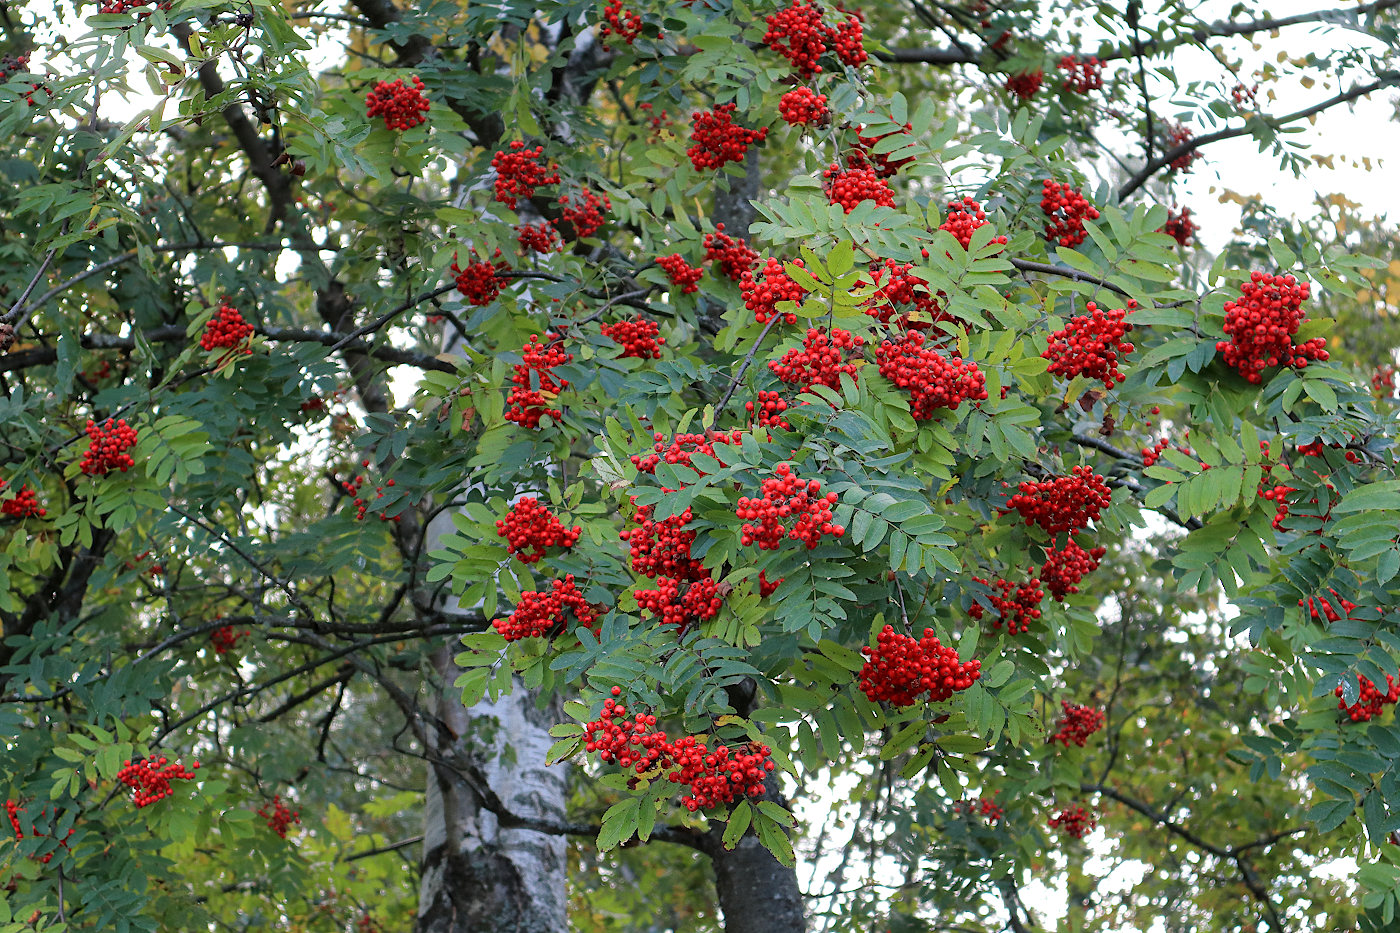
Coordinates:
[756,893]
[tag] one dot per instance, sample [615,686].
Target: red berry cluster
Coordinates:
[657,123]
[763,291]
[226,330]
[124,6]
[681,273]
[852,186]
[530,529]
[24,504]
[662,549]
[766,587]
[1077,724]
[1383,381]
[541,614]
[478,281]
[108,446]
[862,156]
[716,139]
[963,218]
[1316,603]
[13,810]
[1016,605]
[637,337]
[787,496]
[734,256]
[1067,210]
[821,359]
[519,172]
[534,384]
[1151,455]
[984,807]
[352,488]
[585,211]
[1261,325]
[934,381]
[1239,93]
[1177,135]
[901,288]
[681,603]
[632,744]
[149,778]
[1371,701]
[401,106]
[768,410]
[1065,568]
[803,106]
[1025,84]
[226,638]
[540,238]
[16,64]
[899,669]
[1082,75]
[279,816]
[617,21]
[798,34]
[1074,821]
[1063,503]
[1278,494]
[1180,226]
[679,449]
[1090,343]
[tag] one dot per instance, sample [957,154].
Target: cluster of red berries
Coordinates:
[963,218]
[681,603]
[657,123]
[478,281]
[863,156]
[899,669]
[226,330]
[1383,381]
[637,337]
[226,638]
[803,106]
[1065,568]
[852,186]
[1178,135]
[820,360]
[1151,455]
[798,34]
[279,816]
[984,807]
[1077,724]
[763,291]
[1315,449]
[617,21]
[1016,605]
[519,172]
[896,287]
[716,139]
[124,6]
[662,549]
[530,529]
[1062,503]
[1261,325]
[1025,84]
[401,106]
[102,371]
[1370,702]
[541,614]
[585,211]
[1278,495]
[1090,343]
[678,450]
[532,378]
[1316,603]
[1082,75]
[1180,226]
[1239,93]
[1067,210]
[768,587]
[149,778]
[787,497]
[108,446]
[767,411]
[681,273]
[934,381]
[352,488]
[1075,821]
[735,257]
[24,504]
[16,64]
[13,810]
[542,238]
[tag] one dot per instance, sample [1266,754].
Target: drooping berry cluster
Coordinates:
[353,488]
[637,337]
[530,530]
[763,291]
[1383,381]
[1178,135]
[933,380]
[1261,325]
[542,614]
[149,778]
[226,330]
[618,21]
[1077,724]
[542,238]
[681,603]
[803,106]
[534,384]
[899,669]
[1076,822]
[124,6]
[1180,226]
[715,139]
[1082,75]
[798,34]
[279,816]
[17,64]
[478,281]
[108,446]
[1066,210]
[899,290]
[1064,569]
[1239,93]
[1062,503]
[864,156]
[983,807]
[658,122]
[681,273]
[1316,603]
[1025,84]
[13,810]
[787,497]
[662,549]
[734,256]
[850,187]
[820,360]
[1089,345]
[768,587]
[1278,495]
[401,106]
[1371,701]
[1151,455]
[519,171]
[963,218]
[23,504]
[226,638]
[1016,605]
[585,211]
[767,411]
[678,450]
